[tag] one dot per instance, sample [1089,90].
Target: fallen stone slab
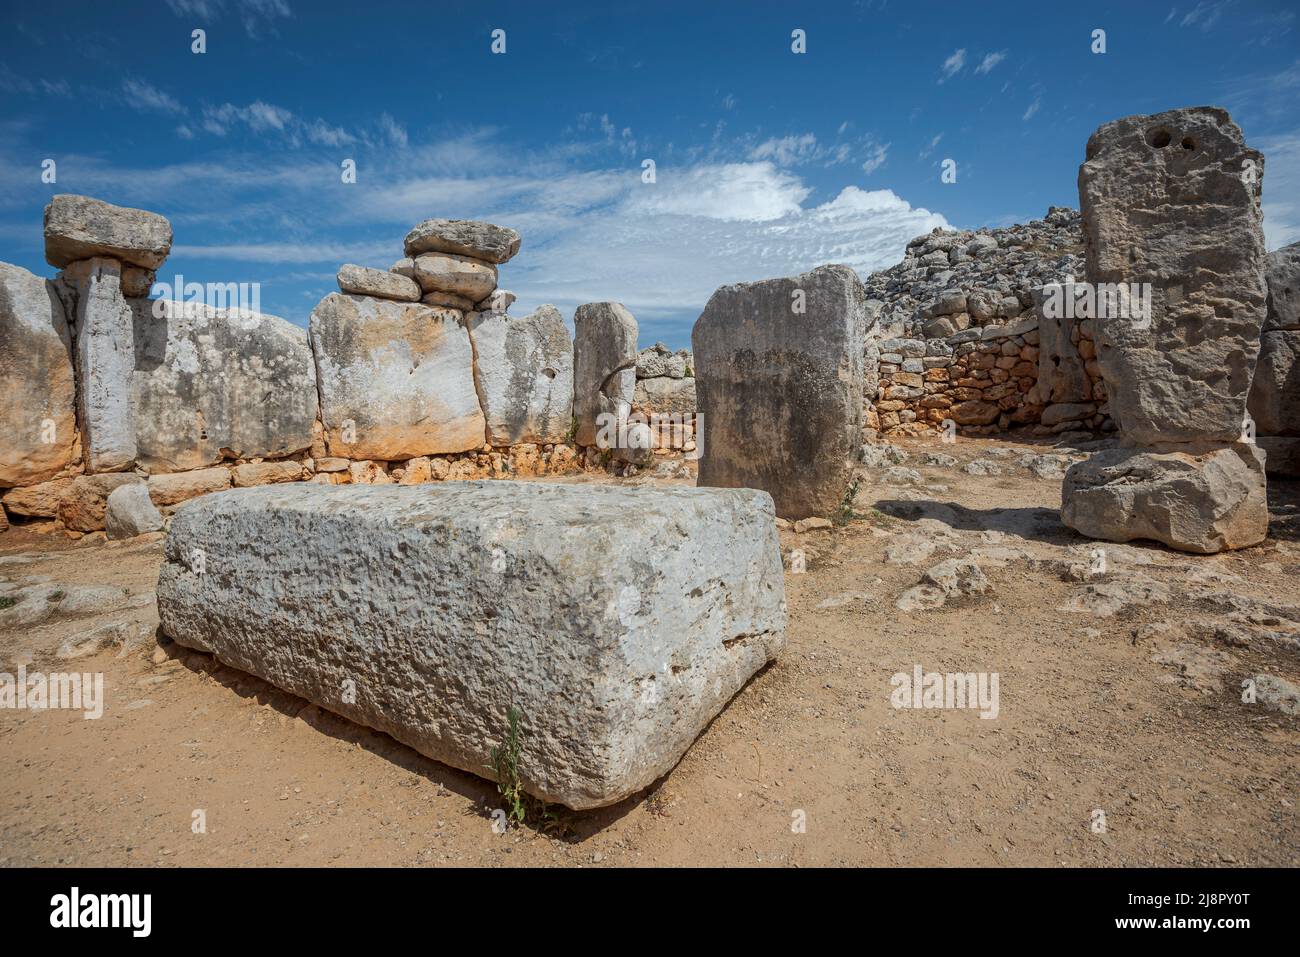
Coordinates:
[211,384]
[779,380]
[79,227]
[523,371]
[377,282]
[615,622]
[463,237]
[469,279]
[38,427]
[1200,499]
[396,379]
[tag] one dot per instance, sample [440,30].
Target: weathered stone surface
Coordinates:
[396,379]
[105,364]
[523,371]
[463,237]
[38,426]
[137,282]
[1165,201]
[616,622]
[447,300]
[604,365]
[266,473]
[1062,373]
[177,487]
[780,390]
[212,384]
[1282,272]
[377,282]
[37,501]
[470,279]
[659,360]
[1201,499]
[499,301]
[78,227]
[1283,454]
[664,396]
[129,512]
[85,500]
[1275,392]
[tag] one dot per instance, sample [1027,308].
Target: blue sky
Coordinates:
[767,162]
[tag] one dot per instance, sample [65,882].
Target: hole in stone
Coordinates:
[1159,138]
[549,373]
[1189,143]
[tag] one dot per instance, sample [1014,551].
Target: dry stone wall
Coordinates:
[407,375]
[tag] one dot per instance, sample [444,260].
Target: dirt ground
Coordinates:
[1120,693]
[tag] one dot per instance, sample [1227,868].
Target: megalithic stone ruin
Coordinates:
[779,381]
[1172,202]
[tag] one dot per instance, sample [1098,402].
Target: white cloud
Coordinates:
[1281,188]
[990,61]
[787,150]
[876,156]
[1205,15]
[146,97]
[952,65]
[1033,108]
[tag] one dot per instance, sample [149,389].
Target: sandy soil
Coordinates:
[1137,714]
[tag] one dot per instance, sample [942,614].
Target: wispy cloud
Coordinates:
[1033,108]
[990,61]
[143,96]
[253,14]
[952,66]
[1205,14]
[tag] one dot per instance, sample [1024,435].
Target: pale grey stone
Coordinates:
[1165,202]
[523,370]
[780,390]
[79,227]
[461,276]
[616,622]
[396,380]
[215,383]
[1282,272]
[604,366]
[665,396]
[130,512]
[1201,499]
[38,426]
[105,363]
[376,282]
[462,237]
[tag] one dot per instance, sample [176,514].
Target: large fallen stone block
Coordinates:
[78,227]
[1173,201]
[779,384]
[376,282]
[214,383]
[84,502]
[463,237]
[396,379]
[38,425]
[523,369]
[129,512]
[604,367]
[1201,499]
[105,363]
[615,622]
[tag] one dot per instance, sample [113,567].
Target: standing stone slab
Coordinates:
[463,237]
[78,227]
[1275,392]
[1174,200]
[1282,272]
[523,369]
[396,379]
[214,383]
[780,391]
[604,366]
[616,622]
[105,361]
[38,425]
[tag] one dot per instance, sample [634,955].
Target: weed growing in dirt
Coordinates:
[505,762]
[845,514]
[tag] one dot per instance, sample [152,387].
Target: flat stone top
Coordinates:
[475,503]
[82,227]
[463,237]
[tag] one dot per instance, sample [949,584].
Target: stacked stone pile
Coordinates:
[665,387]
[1186,474]
[961,334]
